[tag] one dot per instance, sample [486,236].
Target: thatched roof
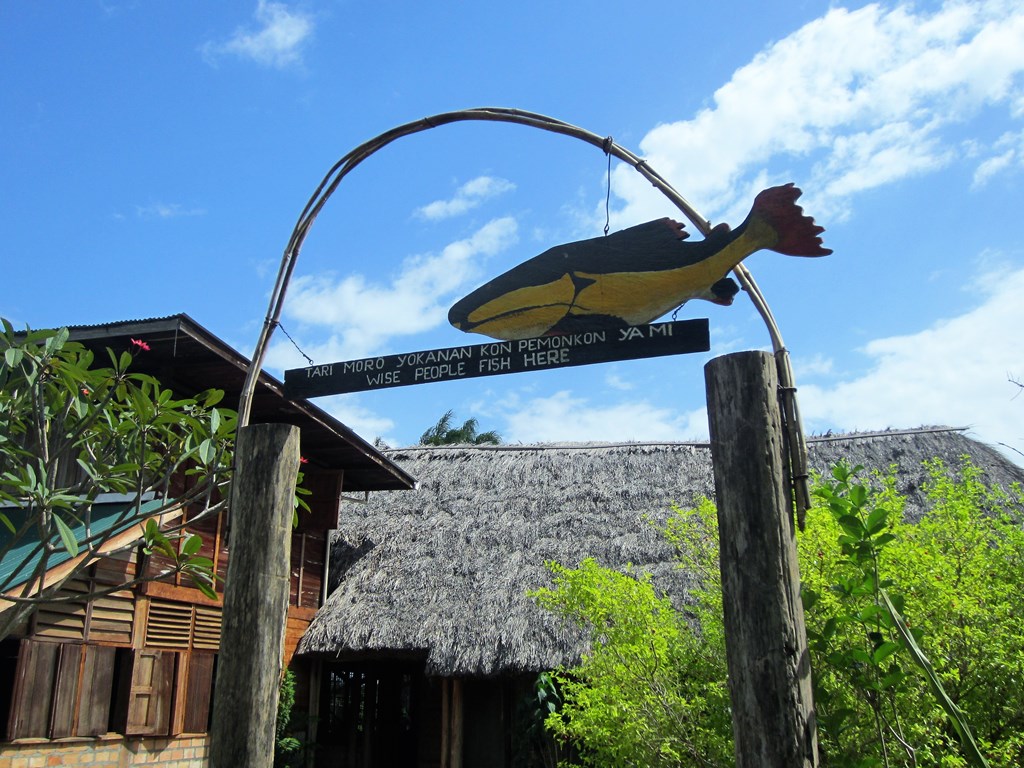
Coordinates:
[441,572]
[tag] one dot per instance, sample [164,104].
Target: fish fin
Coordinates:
[724,291]
[798,234]
[678,228]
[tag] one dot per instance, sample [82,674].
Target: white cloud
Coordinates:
[1009,151]
[365,423]
[615,381]
[563,417]
[468,196]
[866,95]
[276,42]
[991,167]
[884,155]
[819,365]
[166,211]
[952,373]
[363,314]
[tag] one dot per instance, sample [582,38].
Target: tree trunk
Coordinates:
[255,597]
[766,643]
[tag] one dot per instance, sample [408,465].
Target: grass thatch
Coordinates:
[443,571]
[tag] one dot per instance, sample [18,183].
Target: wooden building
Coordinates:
[429,642]
[127,678]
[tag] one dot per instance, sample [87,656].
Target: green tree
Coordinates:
[287,748]
[957,576]
[861,681]
[86,452]
[962,572]
[444,433]
[651,691]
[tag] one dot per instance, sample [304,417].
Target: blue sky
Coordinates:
[155,156]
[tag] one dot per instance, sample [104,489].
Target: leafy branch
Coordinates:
[87,452]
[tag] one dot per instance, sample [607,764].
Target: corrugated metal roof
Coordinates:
[19,563]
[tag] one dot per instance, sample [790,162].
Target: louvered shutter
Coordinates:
[64,620]
[206,632]
[106,619]
[183,626]
[169,625]
[111,618]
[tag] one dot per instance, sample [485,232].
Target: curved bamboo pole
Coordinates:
[330,182]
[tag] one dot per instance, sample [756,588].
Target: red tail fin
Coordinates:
[798,234]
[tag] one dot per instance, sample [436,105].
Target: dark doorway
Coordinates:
[368,715]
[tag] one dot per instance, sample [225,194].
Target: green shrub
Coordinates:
[652,690]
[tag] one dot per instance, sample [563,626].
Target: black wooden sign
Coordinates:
[535,354]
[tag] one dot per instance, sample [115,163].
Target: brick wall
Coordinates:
[183,752]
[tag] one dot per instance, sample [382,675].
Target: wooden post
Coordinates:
[456,713]
[255,597]
[765,638]
[446,726]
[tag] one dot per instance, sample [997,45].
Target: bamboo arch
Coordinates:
[796,445]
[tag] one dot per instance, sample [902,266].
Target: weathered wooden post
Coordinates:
[255,597]
[766,642]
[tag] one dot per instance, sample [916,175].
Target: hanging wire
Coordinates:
[607,147]
[295,344]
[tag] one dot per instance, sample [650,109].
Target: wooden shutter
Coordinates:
[105,619]
[206,633]
[198,692]
[65,691]
[115,569]
[97,685]
[170,624]
[64,620]
[150,693]
[61,689]
[183,626]
[112,617]
[33,690]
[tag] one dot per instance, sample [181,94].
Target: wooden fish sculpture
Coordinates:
[633,276]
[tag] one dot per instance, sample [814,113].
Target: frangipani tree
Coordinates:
[88,452]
